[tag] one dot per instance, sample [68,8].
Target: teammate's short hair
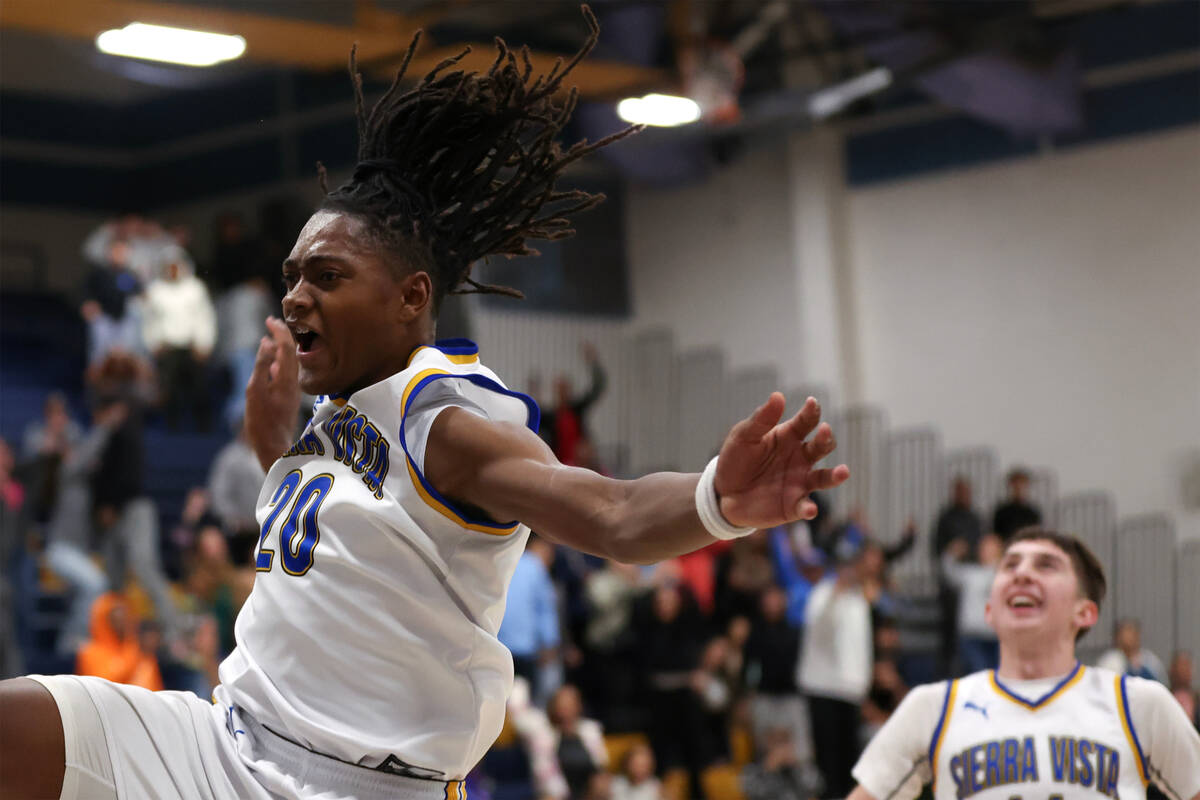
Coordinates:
[1088,571]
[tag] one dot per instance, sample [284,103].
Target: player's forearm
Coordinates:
[657,519]
[639,521]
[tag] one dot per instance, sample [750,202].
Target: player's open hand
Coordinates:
[767,468]
[273,393]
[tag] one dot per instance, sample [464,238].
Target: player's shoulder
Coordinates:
[932,695]
[932,689]
[446,355]
[982,678]
[1144,692]
[1127,684]
[450,373]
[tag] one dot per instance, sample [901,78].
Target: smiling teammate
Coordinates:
[367,663]
[1042,725]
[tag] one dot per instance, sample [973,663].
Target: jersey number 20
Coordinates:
[300,523]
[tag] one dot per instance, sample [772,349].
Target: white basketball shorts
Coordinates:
[128,742]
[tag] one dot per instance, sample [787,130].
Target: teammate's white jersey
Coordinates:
[370,635]
[993,743]
[1091,733]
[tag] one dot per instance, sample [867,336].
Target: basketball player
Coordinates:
[367,663]
[1042,725]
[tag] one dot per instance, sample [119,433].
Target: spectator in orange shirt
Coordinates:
[114,651]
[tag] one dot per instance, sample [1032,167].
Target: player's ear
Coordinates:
[1086,613]
[987,615]
[416,292]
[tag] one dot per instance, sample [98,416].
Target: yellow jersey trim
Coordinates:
[1127,726]
[461,358]
[431,501]
[937,746]
[446,512]
[413,354]
[1043,702]
[408,390]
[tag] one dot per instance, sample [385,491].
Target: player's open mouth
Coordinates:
[306,338]
[1023,601]
[305,341]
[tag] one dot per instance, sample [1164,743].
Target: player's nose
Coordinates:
[1022,572]
[297,301]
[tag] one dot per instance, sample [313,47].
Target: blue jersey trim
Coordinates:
[457,347]
[937,732]
[1129,718]
[1047,696]
[533,419]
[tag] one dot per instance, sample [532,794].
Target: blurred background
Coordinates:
[968,228]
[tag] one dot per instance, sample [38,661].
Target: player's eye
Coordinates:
[329,275]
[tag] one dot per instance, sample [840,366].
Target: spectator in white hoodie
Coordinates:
[180,328]
[836,661]
[978,648]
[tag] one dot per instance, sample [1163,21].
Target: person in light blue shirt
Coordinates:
[530,629]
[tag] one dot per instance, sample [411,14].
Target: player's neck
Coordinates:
[1034,659]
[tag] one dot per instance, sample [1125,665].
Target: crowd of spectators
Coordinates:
[633,683]
[145,605]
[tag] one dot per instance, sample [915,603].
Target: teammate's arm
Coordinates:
[1170,743]
[764,476]
[895,764]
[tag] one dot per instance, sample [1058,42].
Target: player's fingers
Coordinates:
[820,479]
[820,445]
[279,331]
[806,509]
[801,425]
[764,418]
[262,361]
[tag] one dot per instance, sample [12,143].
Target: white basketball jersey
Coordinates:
[1076,741]
[370,635]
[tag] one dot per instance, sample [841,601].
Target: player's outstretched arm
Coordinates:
[273,395]
[860,793]
[764,475]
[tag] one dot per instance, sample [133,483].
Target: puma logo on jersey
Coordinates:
[972,707]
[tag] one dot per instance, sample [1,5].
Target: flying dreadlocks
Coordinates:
[463,165]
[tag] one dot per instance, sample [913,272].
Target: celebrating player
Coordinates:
[367,663]
[1042,725]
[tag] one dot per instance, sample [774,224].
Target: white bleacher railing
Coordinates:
[668,410]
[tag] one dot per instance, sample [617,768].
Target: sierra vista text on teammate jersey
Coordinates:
[356,442]
[1074,762]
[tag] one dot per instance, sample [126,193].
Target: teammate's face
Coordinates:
[353,320]
[1036,591]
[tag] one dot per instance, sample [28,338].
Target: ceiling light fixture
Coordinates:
[663,110]
[175,45]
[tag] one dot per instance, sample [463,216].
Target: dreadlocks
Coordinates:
[463,165]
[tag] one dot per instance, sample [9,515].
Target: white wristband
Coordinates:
[709,507]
